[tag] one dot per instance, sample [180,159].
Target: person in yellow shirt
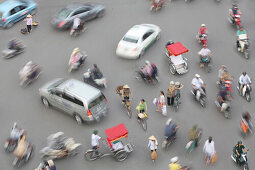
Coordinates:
[175,165]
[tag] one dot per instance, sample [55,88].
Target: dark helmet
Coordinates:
[95,65]
[239,142]
[170,42]
[244,73]
[95,132]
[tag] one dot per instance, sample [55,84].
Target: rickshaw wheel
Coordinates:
[121,155]
[91,155]
[171,68]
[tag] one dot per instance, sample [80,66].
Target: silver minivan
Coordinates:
[82,101]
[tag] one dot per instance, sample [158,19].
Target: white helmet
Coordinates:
[174,159]
[168,121]
[197,75]
[147,62]
[203,25]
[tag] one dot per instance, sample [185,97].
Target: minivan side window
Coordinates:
[73,100]
[96,101]
[77,101]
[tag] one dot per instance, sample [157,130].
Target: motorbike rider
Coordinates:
[234,12]
[238,33]
[14,44]
[175,165]
[244,79]
[76,22]
[46,165]
[170,129]
[76,56]
[226,76]
[194,135]
[238,151]
[154,71]
[247,117]
[95,73]
[26,71]
[141,108]
[220,73]
[147,70]
[223,96]
[197,83]
[205,55]
[16,133]
[202,30]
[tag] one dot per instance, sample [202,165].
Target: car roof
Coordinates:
[8,5]
[79,89]
[137,31]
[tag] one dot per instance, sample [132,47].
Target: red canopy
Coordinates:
[177,49]
[116,132]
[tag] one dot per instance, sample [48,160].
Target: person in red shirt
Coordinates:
[202,30]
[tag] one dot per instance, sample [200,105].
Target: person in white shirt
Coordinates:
[76,22]
[197,83]
[243,80]
[153,143]
[221,71]
[205,54]
[209,149]
[95,141]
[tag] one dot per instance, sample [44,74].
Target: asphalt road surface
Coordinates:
[179,21]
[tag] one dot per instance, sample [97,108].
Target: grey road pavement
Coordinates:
[179,21]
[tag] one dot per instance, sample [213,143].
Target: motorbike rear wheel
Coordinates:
[248,97]
[246,53]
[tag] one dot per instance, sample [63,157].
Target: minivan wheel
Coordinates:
[45,102]
[78,119]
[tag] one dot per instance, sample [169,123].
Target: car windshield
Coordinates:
[130,39]
[63,13]
[97,101]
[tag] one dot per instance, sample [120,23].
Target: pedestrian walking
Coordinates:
[170,93]
[209,150]
[162,104]
[29,21]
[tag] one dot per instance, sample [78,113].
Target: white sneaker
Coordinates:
[239,49]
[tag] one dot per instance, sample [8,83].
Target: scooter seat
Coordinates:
[8,51]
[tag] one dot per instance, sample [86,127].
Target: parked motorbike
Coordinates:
[9,53]
[236,21]
[98,82]
[12,142]
[74,65]
[31,76]
[243,161]
[244,45]
[59,147]
[224,108]
[246,92]
[200,96]
[157,6]
[78,31]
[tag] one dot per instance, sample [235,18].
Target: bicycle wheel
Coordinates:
[91,155]
[144,124]
[129,112]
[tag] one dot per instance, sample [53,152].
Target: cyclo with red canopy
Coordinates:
[177,63]
[114,144]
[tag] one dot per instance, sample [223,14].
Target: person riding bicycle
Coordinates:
[194,135]
[247,118]
[170,129]
[234,12]
[238,151]
[175,165]
[125,93]
[244,79]
[141,109]
[205,55]
[197,83]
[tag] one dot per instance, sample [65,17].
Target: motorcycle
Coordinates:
[30,77]
[236,20]
[99,82]
[202,39]
[200,96]
[244,45]
[227,84]
[246,127]
[156,6]
[243,162]
[60,147]
[22,152]
[140,76]
[78,31]
[192,144]
[9,53]
[76,64]
[245,92]
[12,142]
[224,108]
[205,63]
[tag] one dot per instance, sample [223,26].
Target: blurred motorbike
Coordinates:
[98,82]
[30,76]
[200,96]
[9,53]
[202,39]
[78,31]
[246,92]
[236,20]
[75,64]
[224,108]
[157,6]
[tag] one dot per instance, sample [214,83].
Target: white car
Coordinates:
[137,40]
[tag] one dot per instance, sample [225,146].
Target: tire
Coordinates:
[245,167]
[45,102]
[248,97]
[142,53]
[78,119]
[9,25]
[129,112]
[202,101]
[29,154]
[100,14]
[121,155]
[158,37]
[208,68]
[171,68]
[144,124]
[246,54]
[164,144]
[227,114]
[90,155]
